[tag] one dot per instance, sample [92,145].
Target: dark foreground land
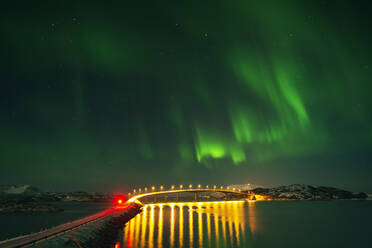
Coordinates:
[98,230]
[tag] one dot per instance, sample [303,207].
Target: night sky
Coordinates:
[101,95]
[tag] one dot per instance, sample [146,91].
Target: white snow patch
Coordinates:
[16,189]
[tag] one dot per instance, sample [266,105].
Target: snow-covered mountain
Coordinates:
[308,192]
[21,190]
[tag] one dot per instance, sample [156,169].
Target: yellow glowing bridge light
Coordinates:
[228,188]
[153,188]
[214,186]
[234,189]
[199,186]
[134,191]
[172,187]
[190,186]
[206,186]
[145,189]
[140,190]
[161,187]
[181,186]
[221,187]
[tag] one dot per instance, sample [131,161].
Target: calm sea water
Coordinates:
[258,224]
[15,224]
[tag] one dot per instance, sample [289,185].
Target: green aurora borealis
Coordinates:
[100,95]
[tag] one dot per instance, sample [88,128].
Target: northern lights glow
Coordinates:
[181,91]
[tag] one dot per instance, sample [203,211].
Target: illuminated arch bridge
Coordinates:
[186,194]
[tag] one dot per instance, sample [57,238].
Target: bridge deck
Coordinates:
[139,196]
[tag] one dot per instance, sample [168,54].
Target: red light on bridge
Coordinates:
[117,245]
[119,200]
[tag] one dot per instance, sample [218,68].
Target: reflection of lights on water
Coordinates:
[236,222]
[252,219]
[143,226]
[137,220]
[151,228]
[223,218]
[180,225]
[200,226]
[209,226]
[172,225]
[191,225]
[160,226]
[214,224]
[230,223]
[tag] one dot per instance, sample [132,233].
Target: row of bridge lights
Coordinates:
[199,186]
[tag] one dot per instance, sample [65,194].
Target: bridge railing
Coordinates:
[181,187]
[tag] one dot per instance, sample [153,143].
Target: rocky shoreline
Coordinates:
[30,199]
[14,206]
